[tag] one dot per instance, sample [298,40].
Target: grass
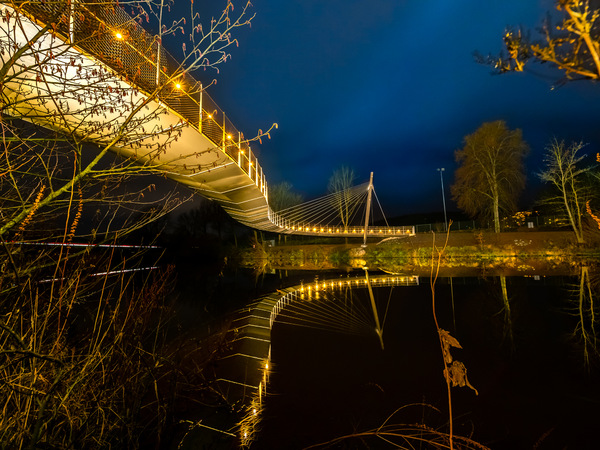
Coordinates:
[78,356]
[92,361]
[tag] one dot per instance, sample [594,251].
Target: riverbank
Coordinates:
[520,252]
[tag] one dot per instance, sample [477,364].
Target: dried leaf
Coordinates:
[447,341]
[457,375]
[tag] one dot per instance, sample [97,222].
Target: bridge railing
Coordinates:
[287,226]
[111,35]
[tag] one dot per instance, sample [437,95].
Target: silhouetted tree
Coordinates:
[203,223]
[339,186]
[281,196]
[490,175]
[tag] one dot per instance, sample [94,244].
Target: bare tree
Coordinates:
[564,172]
[490,175]
[572,45]
[282,196]
[340,183]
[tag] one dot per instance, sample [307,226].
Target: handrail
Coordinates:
[297,227]
[112,36]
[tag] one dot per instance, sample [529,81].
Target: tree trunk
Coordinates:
[576,229]
[496,214]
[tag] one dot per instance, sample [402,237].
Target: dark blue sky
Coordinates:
[390,86]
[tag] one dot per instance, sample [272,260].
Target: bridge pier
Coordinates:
[368,211]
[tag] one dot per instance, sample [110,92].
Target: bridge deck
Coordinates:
[209,155]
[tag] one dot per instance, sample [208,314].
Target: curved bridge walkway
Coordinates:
[210,155]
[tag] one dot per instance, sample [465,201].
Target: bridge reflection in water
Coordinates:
[115,54]
[243,373]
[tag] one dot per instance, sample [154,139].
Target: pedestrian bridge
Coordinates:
[68,59]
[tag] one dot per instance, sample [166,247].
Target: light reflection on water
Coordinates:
[324,304]
[528,344]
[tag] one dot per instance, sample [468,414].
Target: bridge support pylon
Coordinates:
[368,209]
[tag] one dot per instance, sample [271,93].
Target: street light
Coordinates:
[441,171]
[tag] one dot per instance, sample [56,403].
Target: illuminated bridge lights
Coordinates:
[280,223]
[215,131]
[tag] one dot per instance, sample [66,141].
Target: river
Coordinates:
[527,344]
[527,360]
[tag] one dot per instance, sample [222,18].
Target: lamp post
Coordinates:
[441,171]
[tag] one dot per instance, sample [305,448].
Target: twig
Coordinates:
[432,282]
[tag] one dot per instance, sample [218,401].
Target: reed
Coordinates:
[82,356]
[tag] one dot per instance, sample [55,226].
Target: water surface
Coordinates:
[524,352]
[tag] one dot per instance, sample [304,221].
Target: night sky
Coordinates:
[391,86]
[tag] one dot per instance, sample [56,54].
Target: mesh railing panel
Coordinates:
[190,108]
[211,129]
[49,12]
[230,129]
[142,61]
[212,120]
[233,151]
